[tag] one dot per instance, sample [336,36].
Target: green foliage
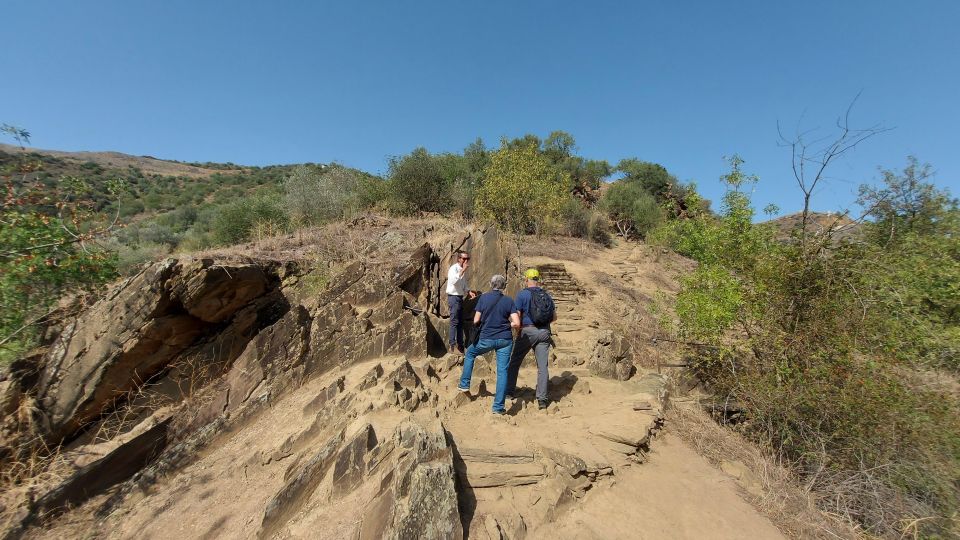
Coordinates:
[634,210]
[521,191]
[580,221]
[45,256]
[246,219]
[823,344]
[319,195]
[417,183]
[709,302]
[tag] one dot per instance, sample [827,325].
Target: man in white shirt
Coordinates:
[457,289]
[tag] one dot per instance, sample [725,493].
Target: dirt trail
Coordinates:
[591,466]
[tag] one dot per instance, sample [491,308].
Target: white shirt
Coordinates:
[456,283]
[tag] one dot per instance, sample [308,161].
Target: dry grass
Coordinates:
[372,238]
[771,488]
[561,248]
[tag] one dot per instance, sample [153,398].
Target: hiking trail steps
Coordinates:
[592,465]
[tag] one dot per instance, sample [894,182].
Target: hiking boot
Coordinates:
[543,404]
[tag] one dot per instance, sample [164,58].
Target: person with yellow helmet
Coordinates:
[537,310]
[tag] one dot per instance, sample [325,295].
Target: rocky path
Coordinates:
[389,446]
[593,464]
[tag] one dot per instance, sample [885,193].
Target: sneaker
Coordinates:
[543,404]
[499,413]
[464,390]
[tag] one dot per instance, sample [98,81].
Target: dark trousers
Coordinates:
[455,303]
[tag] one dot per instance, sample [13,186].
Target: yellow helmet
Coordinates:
[532,273]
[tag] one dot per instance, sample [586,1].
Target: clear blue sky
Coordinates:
[679,83]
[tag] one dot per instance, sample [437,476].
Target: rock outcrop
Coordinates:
[417,498]
[611,358]
[141,327]
[215,342]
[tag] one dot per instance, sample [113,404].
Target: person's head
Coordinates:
[498,282]
[463,258]
[532,275]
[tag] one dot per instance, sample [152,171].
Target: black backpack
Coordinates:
[541,307]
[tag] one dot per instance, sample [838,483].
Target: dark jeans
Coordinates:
[539,340]
[503,347]
[455,303]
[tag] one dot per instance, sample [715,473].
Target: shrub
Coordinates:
[236,222]
[632,209]
[817,343]
[575,218]
[314,196]
[417,183]
[521,191]
[43,257]
[579,221]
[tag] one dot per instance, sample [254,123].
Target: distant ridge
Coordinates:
[818,223]
[117,160]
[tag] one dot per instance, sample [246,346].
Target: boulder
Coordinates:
[611,358]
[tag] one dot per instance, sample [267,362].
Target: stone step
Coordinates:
[484,474]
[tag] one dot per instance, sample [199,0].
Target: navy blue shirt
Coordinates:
[522,304]
[495,309]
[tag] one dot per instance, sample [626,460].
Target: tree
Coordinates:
[559,145]
[417,183]
[19,134]
[521,191]
[907,203]
[810,159]
[652,177]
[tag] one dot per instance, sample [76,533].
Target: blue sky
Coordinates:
[679,83]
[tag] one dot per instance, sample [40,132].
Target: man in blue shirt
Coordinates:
[496,318]
[532,336]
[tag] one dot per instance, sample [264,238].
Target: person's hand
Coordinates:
[472,294]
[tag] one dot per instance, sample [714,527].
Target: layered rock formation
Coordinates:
[208,343]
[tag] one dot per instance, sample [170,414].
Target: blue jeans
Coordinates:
[503,348]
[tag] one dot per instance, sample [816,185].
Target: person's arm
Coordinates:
[476,317]
[453,274]
[515,320]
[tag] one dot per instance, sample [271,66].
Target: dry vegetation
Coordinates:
[767,484]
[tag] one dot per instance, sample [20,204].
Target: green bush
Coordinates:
[580,221]
[417,184]
[823,344]
[632,209]
[42,258]
[237,222]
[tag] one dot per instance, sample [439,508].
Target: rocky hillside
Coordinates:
[243,397]
[121,162]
